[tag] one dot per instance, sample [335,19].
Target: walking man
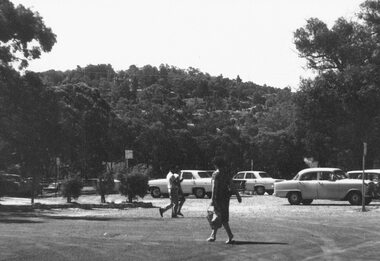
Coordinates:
[181,197]
[172,180]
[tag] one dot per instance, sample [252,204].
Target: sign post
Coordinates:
[363,192]
[58,164]
[128,155]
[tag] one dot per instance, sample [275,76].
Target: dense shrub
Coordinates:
[133,184]
[71,188]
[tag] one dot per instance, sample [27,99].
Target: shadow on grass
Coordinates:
[19,221]
[240,242]
[24,217]
[377,204]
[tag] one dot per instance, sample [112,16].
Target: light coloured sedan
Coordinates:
[321,183]
[255,181]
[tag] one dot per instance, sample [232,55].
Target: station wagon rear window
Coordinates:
[264,175]
[205,174]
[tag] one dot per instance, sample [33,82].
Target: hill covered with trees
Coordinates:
[167,115]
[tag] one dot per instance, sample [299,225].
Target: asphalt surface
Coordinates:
[265,228]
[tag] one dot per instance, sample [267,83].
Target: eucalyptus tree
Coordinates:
[340,108]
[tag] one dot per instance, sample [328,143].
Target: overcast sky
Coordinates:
[249,38]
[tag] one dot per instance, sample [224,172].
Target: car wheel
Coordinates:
[294,198]
[270,192]
[155,192]
[199,193]
[355,198]
[307,201]
[260,190]
[367,201]
[209,194]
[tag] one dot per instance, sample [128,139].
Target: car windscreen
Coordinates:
[264,175]
[205,174]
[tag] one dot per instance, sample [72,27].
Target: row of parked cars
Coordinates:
[308,185]
[198,183]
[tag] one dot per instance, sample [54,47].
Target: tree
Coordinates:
[340,108]
[29,121]
[23,35]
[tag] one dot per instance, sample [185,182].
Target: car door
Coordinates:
[328,188]
[308,185]
[239,181]
[250,181]
[188,182]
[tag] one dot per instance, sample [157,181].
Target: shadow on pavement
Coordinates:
[240,242]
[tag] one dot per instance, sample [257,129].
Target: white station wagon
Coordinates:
[321,183]
[197,182]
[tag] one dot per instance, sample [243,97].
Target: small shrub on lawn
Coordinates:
[72,188]
[133,184]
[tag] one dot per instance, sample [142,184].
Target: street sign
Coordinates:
[128,154]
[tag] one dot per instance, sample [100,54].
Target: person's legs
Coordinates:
[229,232]
[181,202]
[213,235]
[175,208]
[164,209]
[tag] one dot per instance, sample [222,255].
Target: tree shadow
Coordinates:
[240,242]
[19,221]
[24,216]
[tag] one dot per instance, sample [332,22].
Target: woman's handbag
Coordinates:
[213,219]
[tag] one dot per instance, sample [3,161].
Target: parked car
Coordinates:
[369,175]
[197,182]
[15,185]
[91,186]
[321,183]
[53,187]
[255,181]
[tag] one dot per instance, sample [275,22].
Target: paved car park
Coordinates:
[265,228]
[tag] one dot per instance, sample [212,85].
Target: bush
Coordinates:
[133,184]
[72,188]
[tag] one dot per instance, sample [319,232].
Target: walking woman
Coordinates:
[222,189]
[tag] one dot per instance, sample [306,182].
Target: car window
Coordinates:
[187,175]
[264,175]
[339,175]
[354,175]
[309,176]
[250,176]
[325,176]
[239,176]
[205,174]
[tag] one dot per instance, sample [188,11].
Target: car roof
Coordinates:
[9,175]
[251,171]
[365,171]
[318,169]
[192,170]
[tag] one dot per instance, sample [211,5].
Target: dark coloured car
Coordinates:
[15,185]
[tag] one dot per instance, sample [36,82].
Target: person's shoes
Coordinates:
[161,211]
[180,214]
[174,216]
[230,240]
[210,239]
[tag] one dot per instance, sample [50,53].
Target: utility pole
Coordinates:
[363,192]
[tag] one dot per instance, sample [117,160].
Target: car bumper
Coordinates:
[280,193]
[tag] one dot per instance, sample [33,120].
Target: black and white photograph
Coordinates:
[189,130]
